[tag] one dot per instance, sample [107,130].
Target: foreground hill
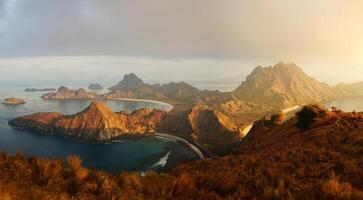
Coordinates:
[316,155]
[283,85]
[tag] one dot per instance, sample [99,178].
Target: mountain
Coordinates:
[210,128]
[315,155]
[282,86]
[96,122]
[129,82]
[65,93]
[132,86]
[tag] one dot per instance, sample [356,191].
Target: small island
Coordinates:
[13,101]
[95,86]
[40,89]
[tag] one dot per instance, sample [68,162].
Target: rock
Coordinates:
[95,86]
[13,101]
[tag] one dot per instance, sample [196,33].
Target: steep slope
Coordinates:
[213,129]
[283,161]
[282,85]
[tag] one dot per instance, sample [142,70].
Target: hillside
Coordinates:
[316,155]
[282,86]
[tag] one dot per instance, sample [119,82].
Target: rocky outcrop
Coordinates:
[39,89]
[95,86]
[65,93]
[13,101]
[96,122]
[281,86]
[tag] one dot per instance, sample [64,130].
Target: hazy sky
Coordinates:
[178,39]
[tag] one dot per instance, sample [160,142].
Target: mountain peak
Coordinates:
[128,82]
[283,85]
[289,66]
[98,108]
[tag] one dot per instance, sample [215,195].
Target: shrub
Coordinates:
[74,162]
[307,116]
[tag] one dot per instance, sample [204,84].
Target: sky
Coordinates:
[164,40]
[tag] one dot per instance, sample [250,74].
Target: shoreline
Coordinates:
[170,107]
[180,139]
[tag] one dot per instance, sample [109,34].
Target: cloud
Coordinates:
[323,30]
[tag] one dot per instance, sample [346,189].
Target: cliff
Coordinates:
[282,86]
[96,122]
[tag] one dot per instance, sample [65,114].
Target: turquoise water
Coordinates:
[136,154]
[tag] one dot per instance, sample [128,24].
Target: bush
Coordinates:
[307,116]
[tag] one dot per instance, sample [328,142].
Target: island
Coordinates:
[96,122]
[11,101]
[200,125]
[39,89]
[95,86]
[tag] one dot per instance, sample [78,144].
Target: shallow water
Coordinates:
[136,154]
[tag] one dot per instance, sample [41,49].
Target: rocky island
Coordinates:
[96,122]
[65,93]
[13,101]
[39,89]
[95,86]
[215,119]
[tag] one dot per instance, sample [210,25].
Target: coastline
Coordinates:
[170,107]
[180,139]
